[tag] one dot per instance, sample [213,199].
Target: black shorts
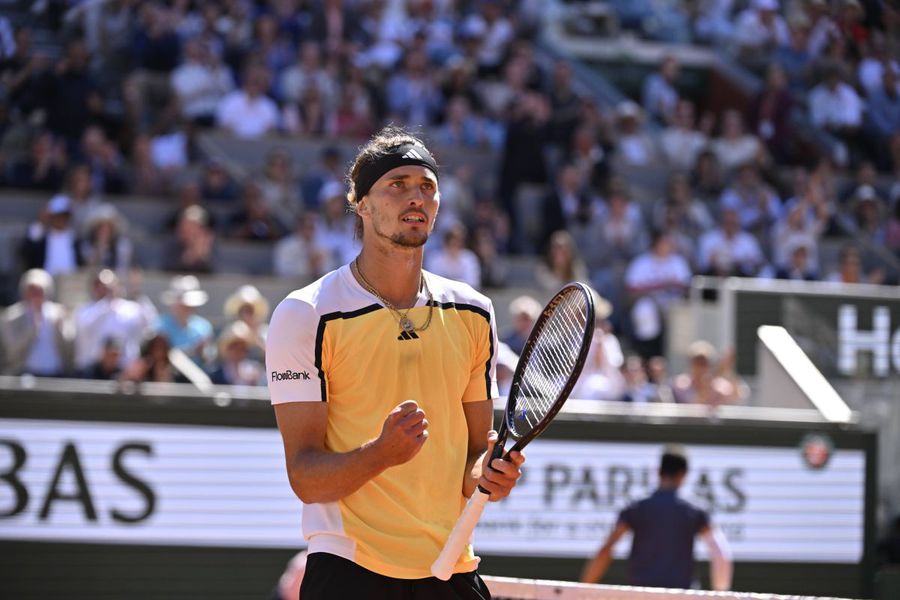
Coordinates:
[330,577]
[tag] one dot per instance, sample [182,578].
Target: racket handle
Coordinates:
[442,568]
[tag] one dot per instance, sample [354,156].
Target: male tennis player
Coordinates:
[664,528]
[382,376]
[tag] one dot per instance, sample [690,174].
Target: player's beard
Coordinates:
[404,239]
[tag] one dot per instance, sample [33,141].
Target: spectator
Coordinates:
[462,127]
[43,168]
[771,115]
[270,46]
[235,367]
[836,107]
[154,364]
[797,266]
[681,210]
[735,147]
[412,94]
[199,82]
[884,117]
[524,312]
[708,381]
[794,58]
[454,260]
[108,315]
[144,177]
[156,49]
[707,178]
[850,269]
[329,170]
[308,72]
[796,230]
[655,280]
[181,326]
[216,183]
[758,31]
[681,142]
[73,98]
[280,189]
[248,113]
[868,213]
[659,96]
[621,234]
[729,251]
[602,377]
[193,249]
[103,160]
[255,221]
[36,334]
[496,33]
[80,192]
[756,204]
[51,242]
[310,117]
[104,244]
[658,377]
[590,155]
[561,263]
[634,146]
[638,388]
[304,254]
[566,204]
[338,225]
[248,305]
[109,365]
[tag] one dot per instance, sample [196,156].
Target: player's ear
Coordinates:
[362,207]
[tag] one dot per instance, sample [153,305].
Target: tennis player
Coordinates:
[664,528]
[382,376]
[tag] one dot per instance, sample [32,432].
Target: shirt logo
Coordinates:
[288,374]
[407,335]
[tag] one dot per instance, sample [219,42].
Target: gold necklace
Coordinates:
[406,324]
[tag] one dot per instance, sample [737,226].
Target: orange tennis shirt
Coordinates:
[334,342]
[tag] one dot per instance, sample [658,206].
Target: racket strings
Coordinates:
[551,362]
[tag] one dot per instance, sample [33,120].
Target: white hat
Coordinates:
[185,289]
[236,331]
[246,294]
[59,204]
[330,190]
[103,213]
[525,305]
[38,277]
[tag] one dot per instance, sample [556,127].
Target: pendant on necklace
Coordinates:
[406,324]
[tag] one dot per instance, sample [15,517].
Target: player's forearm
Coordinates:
[472,472]
[319,476]
[597,567]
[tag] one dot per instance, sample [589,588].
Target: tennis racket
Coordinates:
[548,368]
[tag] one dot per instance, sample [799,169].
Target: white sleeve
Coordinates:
[294,353]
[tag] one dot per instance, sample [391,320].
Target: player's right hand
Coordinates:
[403,434]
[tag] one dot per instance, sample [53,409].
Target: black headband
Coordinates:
[406,154]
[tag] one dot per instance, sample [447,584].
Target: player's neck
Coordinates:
[395,274]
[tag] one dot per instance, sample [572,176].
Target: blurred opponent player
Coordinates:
[664,528]
[382,376]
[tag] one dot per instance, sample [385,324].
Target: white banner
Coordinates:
[227,486]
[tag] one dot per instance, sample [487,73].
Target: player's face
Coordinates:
[402,205]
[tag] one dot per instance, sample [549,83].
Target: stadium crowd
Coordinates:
[116,108]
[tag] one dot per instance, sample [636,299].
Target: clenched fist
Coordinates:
[403,434]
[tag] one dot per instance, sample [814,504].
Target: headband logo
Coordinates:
[412,154]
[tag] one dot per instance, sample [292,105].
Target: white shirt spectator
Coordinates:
[870,72]
[123,320]
[725,253]
[735,152]
[751,33]
[60,252]
[44,356]
[169,151]
[840,107]
[462,266]
[247,117]
[200,87]
[681,146]
[650,270]
[304,254]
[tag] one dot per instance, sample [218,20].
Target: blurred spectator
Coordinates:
[836,107]
[736,147]
[566,203]
[883,117]
[109,365]
[169,146]
[454,260]
[51,242]
[797,267]
[154,363]
[181,326]
[681,210]
[655,280]
[338,225]
[80,192]
[74,100]
[193,249]
[25,74]
[638,388]
[143,175]
[658,378]
[590,155]
[329,170]
[270,46]
[462,127]
[103,161]
[188,196]
[255,221]
[199,82]
[560,265]
[43,168]
[251,308]
[794,57]
[758,30]
[310,117]
[280,188]
[36,334]
[108,315]
[565,103]
[602,377]
[730,251]
[771,115]
[235,367]
[757,205]
[248,113]
[659,95]
[217,184]
[104,243]
[412,93]
[156,50]
[681,142]
[622,234]
[850,269]
[304,254]
[634,146]
[354,115]
[708,380]
[491,25]
[868,214]
[795,230]
[524,312]
[823,27]
[308,72]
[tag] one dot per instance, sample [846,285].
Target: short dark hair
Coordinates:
[673,463]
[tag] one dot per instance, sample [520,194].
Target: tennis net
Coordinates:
[507,588]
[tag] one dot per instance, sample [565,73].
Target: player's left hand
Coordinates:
[499,476]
